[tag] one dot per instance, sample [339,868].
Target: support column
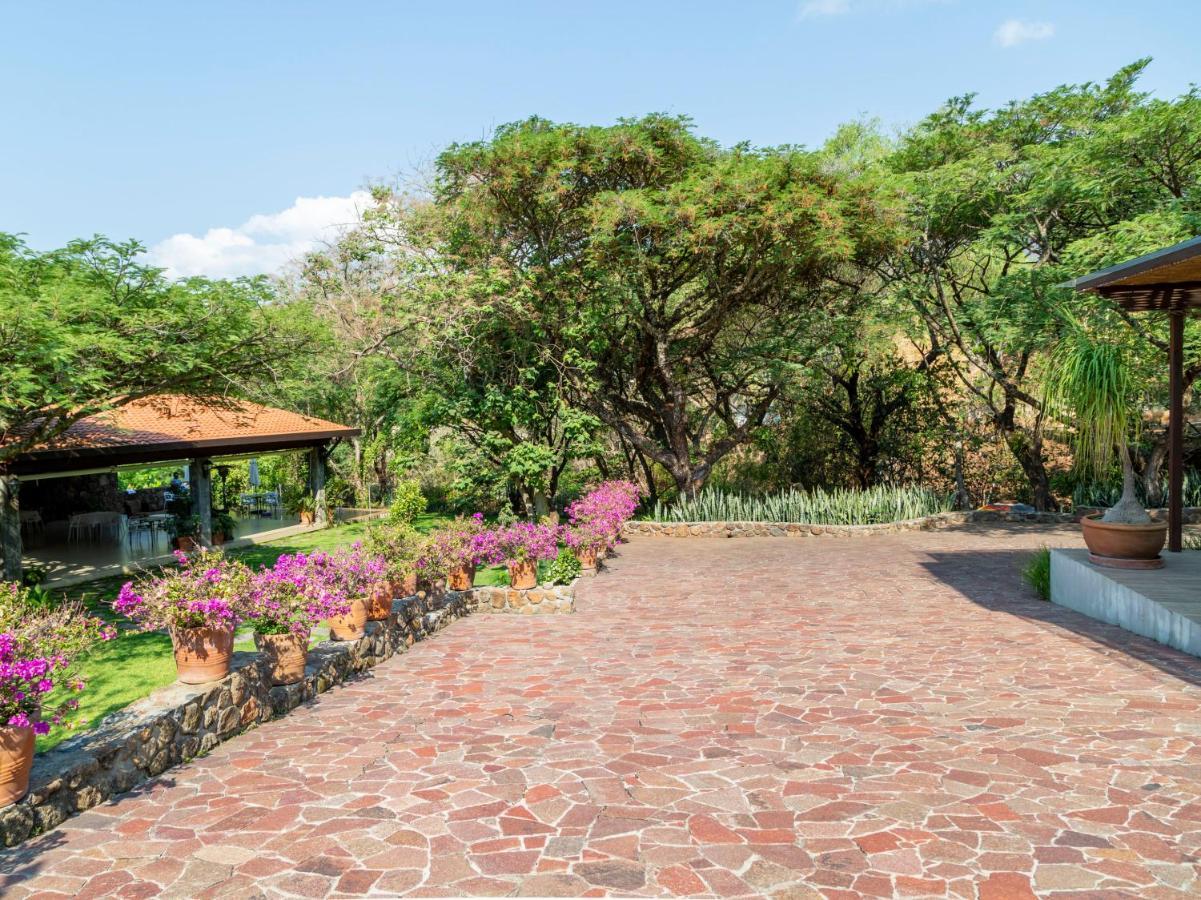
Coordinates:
[1176,430]
[202,497]
[317,484]
[10,528]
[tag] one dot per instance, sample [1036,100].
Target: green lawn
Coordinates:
[129,668]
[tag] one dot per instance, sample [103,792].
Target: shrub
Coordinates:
[285,598]
[597,517]
[524,541]
[565,569]
[407,502]
[462,544]
[38,653]
[399,545]
[206,590]
[1037,573]
[875,505]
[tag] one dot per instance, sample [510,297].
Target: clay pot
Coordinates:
[461,579]
[379,602]
[202,654]
[587,558]
[307,518]
[1119,546]
[351,626]
[16,759]
[285,653]
[185,543]
[408,585]
[218,538]
[523,575]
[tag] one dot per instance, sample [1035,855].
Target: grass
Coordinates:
[136,664]
[1037,573]
[876,505]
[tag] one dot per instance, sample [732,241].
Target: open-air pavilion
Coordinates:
[69,517]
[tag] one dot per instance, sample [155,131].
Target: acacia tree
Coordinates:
[674,282]
[87,329]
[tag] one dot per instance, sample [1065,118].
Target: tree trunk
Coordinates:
[1028,451]
[1152,480]
[1128,510]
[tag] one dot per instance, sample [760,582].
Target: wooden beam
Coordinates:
[1176,431]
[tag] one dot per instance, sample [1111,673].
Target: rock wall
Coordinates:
[181,721]
[539,601]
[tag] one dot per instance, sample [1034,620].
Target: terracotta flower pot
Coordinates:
[379,601]
[307,518]
[461,579]
[587,558]
[184,542]
[523,574]
[16,759]
[351,626]
[202,654]
[408,585]
[286,654]
[1119,546]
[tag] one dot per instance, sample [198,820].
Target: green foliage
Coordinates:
[1037,573]
[565,568]
[882,503]
[408,502]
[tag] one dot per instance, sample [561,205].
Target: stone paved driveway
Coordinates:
[868,716]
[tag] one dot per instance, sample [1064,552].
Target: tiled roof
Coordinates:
[174,420]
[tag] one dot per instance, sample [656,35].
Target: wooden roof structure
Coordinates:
[1167,281]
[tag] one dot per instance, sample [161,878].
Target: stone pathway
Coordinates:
[837,717]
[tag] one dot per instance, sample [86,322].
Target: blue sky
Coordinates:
[196,127]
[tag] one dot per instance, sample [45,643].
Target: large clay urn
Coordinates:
[285,653]
[523,574]
[16,760]
[461,579]
[1119,546]
[351,626]
[408,585]
[379,601]
[587,558]
[202,654]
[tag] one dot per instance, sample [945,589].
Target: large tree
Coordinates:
[675,282]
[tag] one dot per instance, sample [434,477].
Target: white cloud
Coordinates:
[812,9]
[1014,31]
[262,244]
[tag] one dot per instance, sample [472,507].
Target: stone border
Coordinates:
[180,722]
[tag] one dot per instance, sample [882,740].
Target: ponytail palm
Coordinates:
[1091,384]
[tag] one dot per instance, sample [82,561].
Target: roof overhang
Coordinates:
[1166,280]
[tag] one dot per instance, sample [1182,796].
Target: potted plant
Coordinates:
[460,548]
[38,678]
[589,541]
[348,574]
[304,508]
[200,604]
[522,545]
[284,604]
[597,518]
[184,529]
[223,525]
[399,546]
[1092,383]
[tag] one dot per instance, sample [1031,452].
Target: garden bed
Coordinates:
[801,529]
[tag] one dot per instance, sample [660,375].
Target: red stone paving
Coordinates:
[874,716]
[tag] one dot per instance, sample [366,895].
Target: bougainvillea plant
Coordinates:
[399,545]
[39,650]
[597,517]
[207,590]
[464,543]
[525,541]
[350,571]
[293,596]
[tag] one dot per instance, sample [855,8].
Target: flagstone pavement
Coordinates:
[879,716]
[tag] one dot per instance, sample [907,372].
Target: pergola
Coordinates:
[166,429]
[1167,281]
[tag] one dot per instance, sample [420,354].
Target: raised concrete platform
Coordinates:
[1162,604]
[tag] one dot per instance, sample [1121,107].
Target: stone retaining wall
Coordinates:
[796,529]
[537,601]
[181,721]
